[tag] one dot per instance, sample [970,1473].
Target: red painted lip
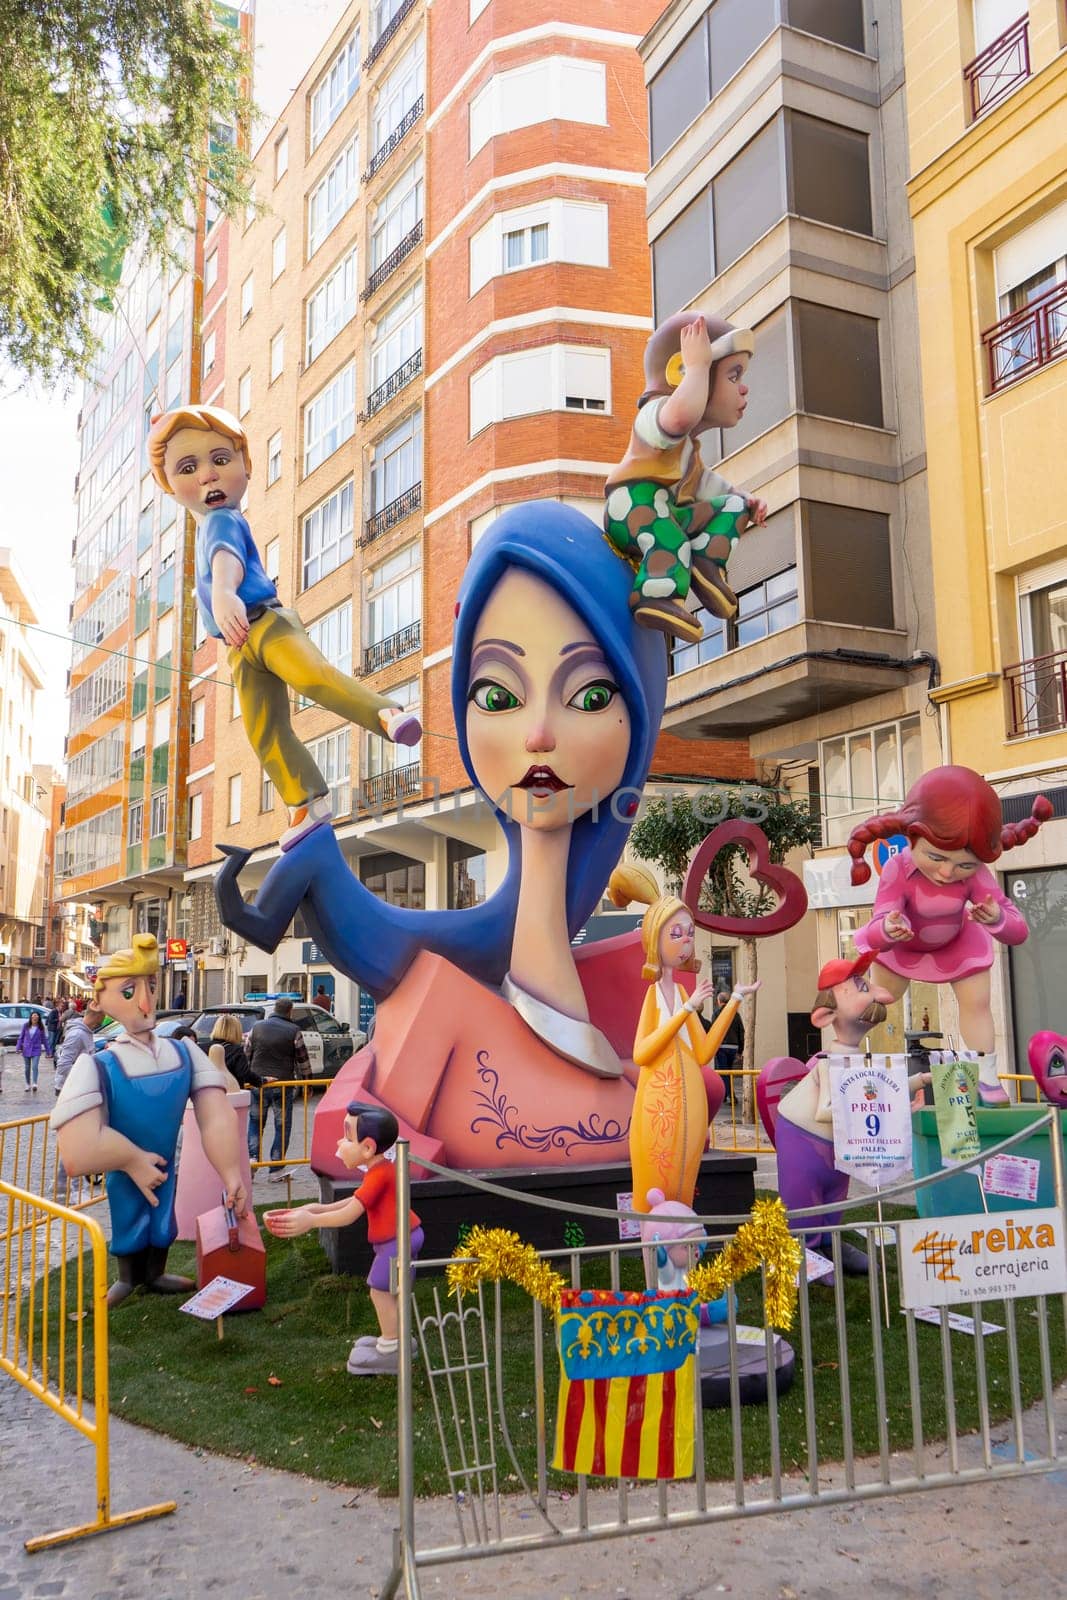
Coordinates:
[542,778]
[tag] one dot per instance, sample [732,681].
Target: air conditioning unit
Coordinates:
[216,946]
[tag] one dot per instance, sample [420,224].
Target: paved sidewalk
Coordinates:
[250,1533]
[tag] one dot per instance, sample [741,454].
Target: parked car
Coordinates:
[329,1043]
[166,1028]
[12,1015]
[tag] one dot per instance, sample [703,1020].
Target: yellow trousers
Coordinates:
[278,656]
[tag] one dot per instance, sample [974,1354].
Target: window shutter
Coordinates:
[482,394]
[1033,248]
[483,247]
[586,374]
[585,234]
[527,382]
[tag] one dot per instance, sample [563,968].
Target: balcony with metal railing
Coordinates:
[404,642]
[392,261]
[1027,340]
[387,146]
[393,384]
[388,787]
[388,32]
[1037,695]
[390,515]
[1000,68]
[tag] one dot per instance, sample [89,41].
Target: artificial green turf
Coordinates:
[171,1373]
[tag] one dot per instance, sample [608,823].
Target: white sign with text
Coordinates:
[948,1261]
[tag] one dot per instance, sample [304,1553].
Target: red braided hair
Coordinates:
[953,808]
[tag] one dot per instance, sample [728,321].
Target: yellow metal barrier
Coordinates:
[46,1305]
[730,1131]
[29,1159]
[287,1090]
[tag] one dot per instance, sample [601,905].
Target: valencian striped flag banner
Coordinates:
[627,1377]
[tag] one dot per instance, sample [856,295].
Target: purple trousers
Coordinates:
[807,1175]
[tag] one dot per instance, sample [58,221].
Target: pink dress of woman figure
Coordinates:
[938,907]
[678,1091]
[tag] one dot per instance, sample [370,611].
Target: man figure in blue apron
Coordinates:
[120,1111]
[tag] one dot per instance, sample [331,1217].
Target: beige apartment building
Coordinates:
[776,198]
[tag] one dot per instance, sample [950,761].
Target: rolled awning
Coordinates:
[75,980]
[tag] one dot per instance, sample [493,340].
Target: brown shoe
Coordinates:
[667,616]
[709,584]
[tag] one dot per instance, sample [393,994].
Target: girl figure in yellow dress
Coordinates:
[678,1090]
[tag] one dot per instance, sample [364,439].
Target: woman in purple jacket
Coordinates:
[31,1046]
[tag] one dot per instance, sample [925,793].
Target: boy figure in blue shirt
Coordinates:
[200,455]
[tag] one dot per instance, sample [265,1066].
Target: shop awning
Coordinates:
[75,980]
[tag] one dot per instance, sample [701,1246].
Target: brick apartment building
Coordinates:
[437,308]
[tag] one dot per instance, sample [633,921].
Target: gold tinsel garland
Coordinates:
[498,1254]
[765,1239]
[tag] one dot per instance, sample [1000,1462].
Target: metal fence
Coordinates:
[54,1336]
[938,1413]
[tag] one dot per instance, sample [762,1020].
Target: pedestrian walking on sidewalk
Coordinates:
[31,1046]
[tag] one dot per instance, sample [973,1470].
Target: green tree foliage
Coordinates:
[106,112]
[673,827]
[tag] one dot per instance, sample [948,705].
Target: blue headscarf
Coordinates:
[374,943]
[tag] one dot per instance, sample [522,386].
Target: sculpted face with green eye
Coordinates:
[547,727]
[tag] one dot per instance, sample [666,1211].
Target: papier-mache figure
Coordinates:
[370,1131]
[938,908]
[120,1111]
[803,1130]
[678,1090]
[200,455]
[674,519]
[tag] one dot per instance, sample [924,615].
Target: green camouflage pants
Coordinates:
[660,537]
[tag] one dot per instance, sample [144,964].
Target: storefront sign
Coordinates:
[829,884]
[177,949]
[311,955]
[948,1261]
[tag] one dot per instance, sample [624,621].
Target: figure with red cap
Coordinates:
[674,519]
[850,1004]
[938,908]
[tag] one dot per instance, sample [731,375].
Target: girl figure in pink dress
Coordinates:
[938,907]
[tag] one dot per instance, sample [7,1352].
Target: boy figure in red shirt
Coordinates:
[369,1132]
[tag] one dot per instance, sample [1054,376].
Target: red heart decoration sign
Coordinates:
[793,901]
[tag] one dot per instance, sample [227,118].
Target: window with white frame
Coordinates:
[90,845]
[328,531]
[398,93]
[331,754]
[281,155]
[394,595]
[1031,268]
[272,560]
[277,354]
[135,822]
[552,377]
[198,720]
[551,230]
[211,271]
[158,818]
[334,90]
[235,702]
[397,335]
[244,394]
[266,792]
[330,418]
[277,256]
[330,199]
[397,462]
[867,772]
[96,767]
[399,209]
[207,354]
[332,634]
[332,306]
[196,816]
[274,459]
[247,296]
[563,87]
[1037,700]
[234,797]
[382,756]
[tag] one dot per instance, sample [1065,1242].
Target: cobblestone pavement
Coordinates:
[249,1533]
[245,1532]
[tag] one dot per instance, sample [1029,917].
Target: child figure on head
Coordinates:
[370,1131]
[674,519]
[938,908]
[200,455]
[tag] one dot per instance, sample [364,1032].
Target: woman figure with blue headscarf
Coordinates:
[493,1042]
